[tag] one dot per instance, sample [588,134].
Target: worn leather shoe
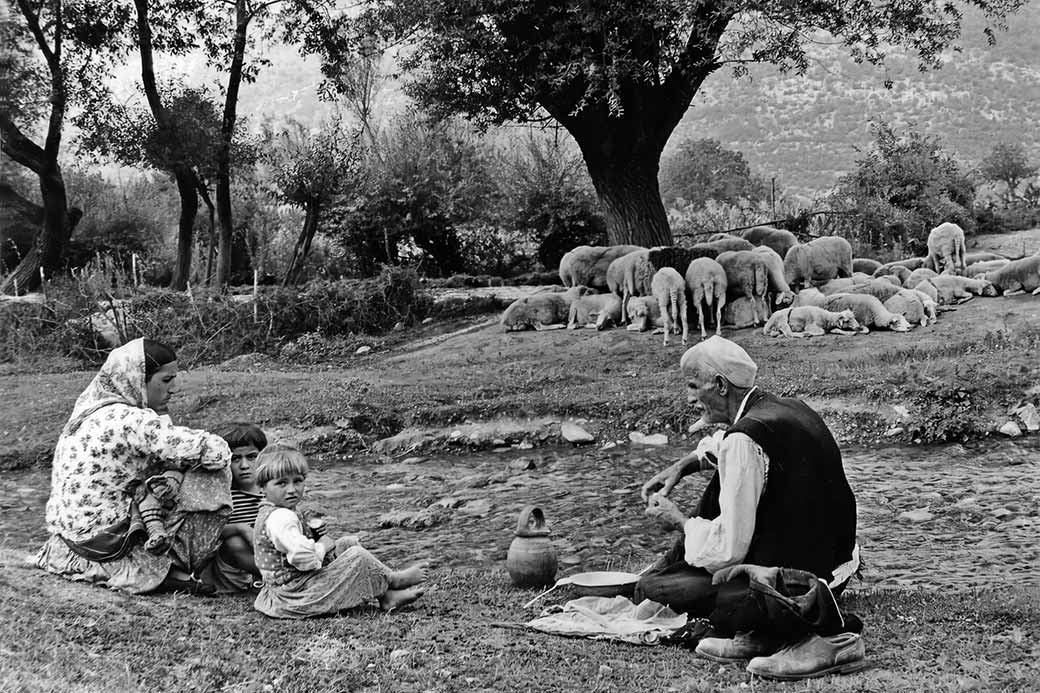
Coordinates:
[814,656]
[741,646]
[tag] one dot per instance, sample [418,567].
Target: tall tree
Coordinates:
[620,75]
[1008,164]
[699,170]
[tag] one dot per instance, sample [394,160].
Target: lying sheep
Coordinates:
[669,288]
[919,275]
[740,313]
[598,310]
[587,264]
[946,247]
[817,261]
[868,311]
[908,264]
[747,274]
[916,307]
[643,314]
[928,289]
[630,275]
[706,280]
[1018,276]
[955,289]
[782,294]
[891,279]
[983,256]
[810,321]
[982,267]
[540,311]
[865,265]
[878,288]
[780,240]
[809,297]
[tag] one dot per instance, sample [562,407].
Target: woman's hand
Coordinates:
[665,512]
[664,481]
[330,548]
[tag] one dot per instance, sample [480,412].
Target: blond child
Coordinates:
[303,577]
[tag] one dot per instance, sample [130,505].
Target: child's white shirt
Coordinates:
[286,533]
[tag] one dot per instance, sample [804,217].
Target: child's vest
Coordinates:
[273,565]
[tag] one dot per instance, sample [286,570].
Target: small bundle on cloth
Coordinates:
[610,618]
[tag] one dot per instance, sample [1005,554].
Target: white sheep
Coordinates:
[946,247]
[810,321]
[706,280]
[782,294]
[983,266]
[643,314]
[630,275]
[669,288]
[780,240]
[868,311]
[809,297]
[587,264]
[928,289]
[955,289]
[596,310]
[865,265]
[747,274]
[919,275]
[1018,276]
[913,305]
[817,261]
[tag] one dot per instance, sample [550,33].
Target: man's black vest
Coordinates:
[806,515]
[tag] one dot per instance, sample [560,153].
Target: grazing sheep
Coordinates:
[587,264]
[782,294]
[706,280]
[946,247]
[630,275]
[817,261]
[810,321]
[916,307]
[919,275]
[780,240]
[643,314]
[747,274]
[983,256]
[598,310]
[908,264]
[676,257]
[868,311]
[809,297]
[740,313]
[705,250]
[984,266]
[955,289]
[865,265]
[1018,276]
[669,288]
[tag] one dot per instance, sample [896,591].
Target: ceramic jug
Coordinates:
[531,561]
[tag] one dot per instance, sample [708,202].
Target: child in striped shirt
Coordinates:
[246,440]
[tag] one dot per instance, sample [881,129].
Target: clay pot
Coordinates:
[531,560]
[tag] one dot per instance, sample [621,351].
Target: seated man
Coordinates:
[778,498]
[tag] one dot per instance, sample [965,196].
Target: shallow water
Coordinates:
[974,511]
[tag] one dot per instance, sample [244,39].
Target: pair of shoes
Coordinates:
[814,656]
[192,586]
[741,646]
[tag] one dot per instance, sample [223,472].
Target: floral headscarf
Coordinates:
[120,381]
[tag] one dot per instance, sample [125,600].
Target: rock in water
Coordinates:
[1030,416]
[655,439]
[1011,429]
[573,433]
[921,515]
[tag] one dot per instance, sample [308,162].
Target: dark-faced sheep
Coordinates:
[706,280]
[868,311]
[817,261]
[780,240]
[587,264]
[1018,276]
[946,247]
[810,321]
[669,288]
[865,265]
[747,274]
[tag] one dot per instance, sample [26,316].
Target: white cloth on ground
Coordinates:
[610,618]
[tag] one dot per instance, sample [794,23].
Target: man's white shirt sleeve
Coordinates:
[743,470]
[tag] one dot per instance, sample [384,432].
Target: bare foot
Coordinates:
[410,576]
[394,599]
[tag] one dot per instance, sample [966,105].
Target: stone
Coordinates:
[655,439]
[427,321]
[573,433]
[1001,512]
[478,507]
[1030,416]
[1010,429]
[413,460]
[363,349]
[920,515]
[894,431]
[609,445]
[522,464]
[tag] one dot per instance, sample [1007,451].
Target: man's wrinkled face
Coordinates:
[707,395]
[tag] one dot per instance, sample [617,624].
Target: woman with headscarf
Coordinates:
[118,438]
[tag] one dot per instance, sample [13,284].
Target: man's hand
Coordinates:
[665,512]
[664,481]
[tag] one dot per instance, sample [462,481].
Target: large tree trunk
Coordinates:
[227,134]
[187,188]
[630,195]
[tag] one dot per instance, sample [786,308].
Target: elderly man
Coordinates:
[778,498]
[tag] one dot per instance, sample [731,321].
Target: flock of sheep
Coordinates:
[763,275]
